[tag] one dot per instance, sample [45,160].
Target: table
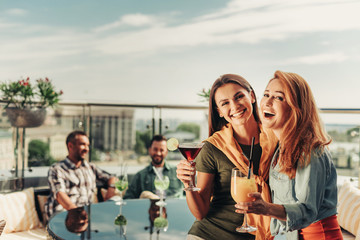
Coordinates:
[102,215]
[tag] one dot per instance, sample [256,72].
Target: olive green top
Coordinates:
[221,220]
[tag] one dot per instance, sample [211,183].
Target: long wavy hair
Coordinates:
[303,132]
[215,121]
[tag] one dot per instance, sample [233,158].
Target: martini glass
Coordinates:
[161,185]
[190,151]
[121,185]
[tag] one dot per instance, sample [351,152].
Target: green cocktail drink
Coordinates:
[121,185]
[162,185]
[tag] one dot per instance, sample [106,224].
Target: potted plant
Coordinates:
[27,102]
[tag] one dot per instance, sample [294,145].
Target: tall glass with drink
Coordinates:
[161,184]
[241,185]
[121,185]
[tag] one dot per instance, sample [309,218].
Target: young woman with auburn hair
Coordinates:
[302,175]
[233,122]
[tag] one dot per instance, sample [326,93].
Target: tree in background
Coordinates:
[142,142]
[39,154]
[189,127]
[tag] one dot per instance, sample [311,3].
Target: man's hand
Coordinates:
[111,190]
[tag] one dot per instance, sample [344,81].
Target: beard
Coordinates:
[157,160]
[80,156]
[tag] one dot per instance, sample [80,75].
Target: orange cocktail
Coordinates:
[240,187]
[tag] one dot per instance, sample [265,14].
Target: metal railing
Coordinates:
[114,129]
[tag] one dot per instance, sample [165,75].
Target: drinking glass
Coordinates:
[190,151]
[240,187]
[161,185]
[121,185]
[121,221]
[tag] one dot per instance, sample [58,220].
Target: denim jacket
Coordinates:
[308,198]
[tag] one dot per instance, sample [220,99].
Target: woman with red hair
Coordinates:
[233,123]
[302,175]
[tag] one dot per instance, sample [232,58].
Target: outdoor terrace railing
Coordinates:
[120,133]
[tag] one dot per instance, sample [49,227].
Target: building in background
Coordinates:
[111,129]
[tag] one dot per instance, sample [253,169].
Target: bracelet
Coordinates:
[111,186]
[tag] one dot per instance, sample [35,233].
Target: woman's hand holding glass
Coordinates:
[241,188]
[185,172]
[257,206]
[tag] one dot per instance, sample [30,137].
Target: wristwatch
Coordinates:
[112,186]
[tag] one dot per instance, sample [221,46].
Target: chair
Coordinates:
[2,226]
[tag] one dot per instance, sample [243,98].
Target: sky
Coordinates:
[167,51]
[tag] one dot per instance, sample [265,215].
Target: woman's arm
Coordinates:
[315,189]
[198,201]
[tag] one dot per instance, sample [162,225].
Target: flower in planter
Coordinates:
[23,94]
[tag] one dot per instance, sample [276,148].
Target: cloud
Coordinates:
[324,58]
[246,22]
[241,22]
[16,12]
[132,20]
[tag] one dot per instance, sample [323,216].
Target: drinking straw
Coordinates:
[123,169]
[157,174]
[250,157]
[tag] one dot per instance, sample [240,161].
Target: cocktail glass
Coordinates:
[121,185]
[161,185]
[240,187]
[190,151]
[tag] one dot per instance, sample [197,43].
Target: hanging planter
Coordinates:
[27,117]
[27,103]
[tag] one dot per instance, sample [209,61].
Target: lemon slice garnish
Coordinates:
[172,144]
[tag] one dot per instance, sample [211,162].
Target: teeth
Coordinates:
[239,113]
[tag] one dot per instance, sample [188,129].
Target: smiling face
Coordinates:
[158,152]
[275,111]
[234,103]
[79,148]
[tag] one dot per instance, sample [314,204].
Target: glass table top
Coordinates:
[138,214]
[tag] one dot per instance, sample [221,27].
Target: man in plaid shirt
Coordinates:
[73,181]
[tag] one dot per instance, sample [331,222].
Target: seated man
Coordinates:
[73,181]
[144,179]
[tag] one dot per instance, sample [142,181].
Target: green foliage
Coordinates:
[23,94]
[338,137]
[142,142]
[189,127]
[95,154]
[39,154]
[205,95]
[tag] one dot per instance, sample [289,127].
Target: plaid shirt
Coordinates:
[78,183]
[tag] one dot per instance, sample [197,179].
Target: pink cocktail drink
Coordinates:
[190,151]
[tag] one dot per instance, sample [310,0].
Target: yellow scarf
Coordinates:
[224,140]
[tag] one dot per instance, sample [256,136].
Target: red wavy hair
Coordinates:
[304,131]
